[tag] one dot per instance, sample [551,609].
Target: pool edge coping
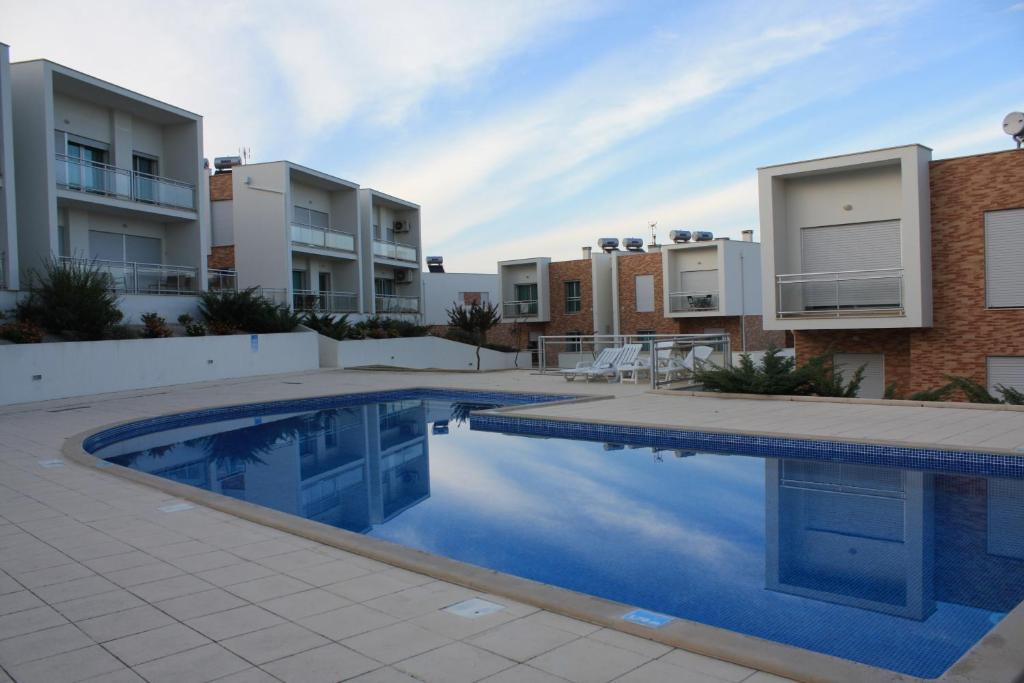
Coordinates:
[976,664]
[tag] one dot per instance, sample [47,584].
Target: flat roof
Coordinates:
[391,198]
[107,85]
[848,154]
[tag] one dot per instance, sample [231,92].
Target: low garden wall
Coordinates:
[416,353]
[39,372]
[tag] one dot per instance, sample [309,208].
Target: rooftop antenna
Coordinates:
[245,153]
[653,225]
[1013,125]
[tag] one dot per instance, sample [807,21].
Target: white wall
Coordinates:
[604,298]
[262,243]
[82,368]
[417,353]
[222,222]
[8,222]
[440,290]
[168,307]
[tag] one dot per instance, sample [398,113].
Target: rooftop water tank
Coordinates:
[609,243]
[680,236]
[633,243]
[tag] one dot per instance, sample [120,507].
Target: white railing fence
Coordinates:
[277,295]
[324,238]
[121,183]
[667,352]
[397,304]
[686,302]
[221,279]
[324,301]
[519,309]
[127,277]
[840,293]
[395,250]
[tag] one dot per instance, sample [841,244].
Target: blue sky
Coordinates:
[532,128]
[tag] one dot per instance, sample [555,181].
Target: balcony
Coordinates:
[127,277]
[221,280]
[519,309]
[324,301]
[397,304]
[692,302]
[120,183]
[850,293]
[395,250]
[323,238]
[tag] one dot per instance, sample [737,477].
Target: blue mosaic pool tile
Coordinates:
[965,462]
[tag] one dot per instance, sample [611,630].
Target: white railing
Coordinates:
[690,302]
[127,277]
[395,250]
[669,353]
[519,309]
[221,279]
[877,292]
[324,301]
[324,238]
[397,304]
[277,295]
[121,183]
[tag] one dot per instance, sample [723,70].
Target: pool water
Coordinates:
[898,568]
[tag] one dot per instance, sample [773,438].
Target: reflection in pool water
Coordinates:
[898,568]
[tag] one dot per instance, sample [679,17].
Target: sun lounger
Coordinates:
[605,359]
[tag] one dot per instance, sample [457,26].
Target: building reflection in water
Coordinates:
[893,541]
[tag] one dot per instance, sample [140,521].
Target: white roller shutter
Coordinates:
[1004,258]
[699,281]
[644,293]
[873,384]
[857,246]
[1005,370]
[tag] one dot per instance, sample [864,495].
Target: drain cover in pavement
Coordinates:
[474,607]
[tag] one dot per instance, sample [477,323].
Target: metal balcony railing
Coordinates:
[127,277]
[221,279]
[277,295]
[397,304]
[519,309]
[395,250]
[324,238]
[110,181]
[849,293]
[692,302]
[324,301]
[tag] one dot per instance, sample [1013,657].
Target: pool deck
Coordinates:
[104,579]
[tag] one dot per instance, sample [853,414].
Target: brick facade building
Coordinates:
[966,332]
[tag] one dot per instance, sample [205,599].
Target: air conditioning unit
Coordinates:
[400,226]
[401,276]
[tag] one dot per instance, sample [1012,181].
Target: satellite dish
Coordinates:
[1013,125]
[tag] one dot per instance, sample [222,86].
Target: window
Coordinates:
[573,296]
[470,298]
[377,235]
[1004,255]
[1007,371]
[382,286]
[299,280]
[873,383]
[146,187]
[574,343]
[115,246]
[644,293]
[86,170]
[645,337]
[324,281]
[310,218]
[526,300]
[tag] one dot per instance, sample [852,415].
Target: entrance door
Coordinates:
[526,295]
[85,168]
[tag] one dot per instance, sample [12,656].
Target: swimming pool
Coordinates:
[901,568]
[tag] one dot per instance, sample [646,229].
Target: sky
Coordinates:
[534,127]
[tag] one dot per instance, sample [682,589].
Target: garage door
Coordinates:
[1005,370]
[853,247]
[873,384]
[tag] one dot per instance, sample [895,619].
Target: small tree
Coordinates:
[474,321]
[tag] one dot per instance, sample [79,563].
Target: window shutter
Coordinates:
[873,384]
[1005,370]
[857,246]
[1004,258]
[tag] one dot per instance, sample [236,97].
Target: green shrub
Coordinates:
[1010,395]
[937,394]
[71,298]
[329,326]
[154,326]
[386,328]
[21,332]
[779,375]
[973,392]
[192,327]
[226,311]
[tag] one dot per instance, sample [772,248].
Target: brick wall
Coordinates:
[964,332]
[220,187]
[758,338]
[562,322]
[632,321]
[221,257]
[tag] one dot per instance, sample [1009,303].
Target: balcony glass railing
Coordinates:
[395,250]
[221,279]
[692,302]
[324,238]
[277,295]
[324,301]
[127,277]
[103,179]
[519,309]
[397,304]
[837,294]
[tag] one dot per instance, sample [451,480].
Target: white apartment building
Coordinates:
[711,278]
[295,233]
[392,251]
[108,175]
[8,216]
